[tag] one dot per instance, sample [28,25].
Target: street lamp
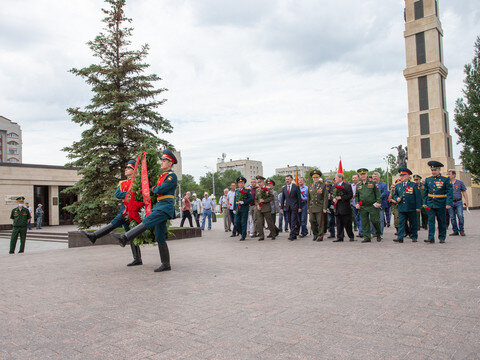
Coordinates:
[213,180]
[386,162]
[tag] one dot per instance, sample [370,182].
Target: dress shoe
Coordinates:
[388,225]
[442,241]
[366,240]
[261,239]
[400,241]
[453,234]
[338,240]
[302,236]
[414,240]
[431,241]
[379,238]
[233,235]
[462,233]
[314,238]
[269,236]
[242,239]
[395,240]
[291,238]
[273,237]
[319,239]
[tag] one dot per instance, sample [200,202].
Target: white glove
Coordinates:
[240,202]
[234,212]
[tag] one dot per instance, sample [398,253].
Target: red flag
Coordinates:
[340,167]
[296,178]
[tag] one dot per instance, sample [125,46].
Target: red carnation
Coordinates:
[243,192]
[360,203]
[265,189]
[339,187]
[427,208]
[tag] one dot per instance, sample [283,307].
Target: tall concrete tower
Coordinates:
[428,131]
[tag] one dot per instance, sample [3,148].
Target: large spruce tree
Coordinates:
[122,118]
[467,116]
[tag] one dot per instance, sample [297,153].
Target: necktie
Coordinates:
[289,189]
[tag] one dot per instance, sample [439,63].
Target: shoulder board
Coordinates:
[428,177]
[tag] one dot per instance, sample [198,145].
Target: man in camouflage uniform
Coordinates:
[317,204]
[368,201]
[263,199]
[20,216]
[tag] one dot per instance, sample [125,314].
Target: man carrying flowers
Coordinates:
[263,198]
[241,202]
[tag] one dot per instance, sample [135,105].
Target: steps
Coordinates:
[38,235]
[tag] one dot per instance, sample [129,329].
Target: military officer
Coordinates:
[437,198]
[20,216]
[263,199]
[130,206]
[409,202]
[317,204]
[368,201]
[163,210]
[423,213]
[243,198]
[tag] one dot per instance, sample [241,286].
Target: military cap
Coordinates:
[328,180]
[168,155]
[417,177]
[270,181]
[131,164]
[404,171]
[435,164]
[260,178]
[315,172]
[362,171]
[241,178]
[20,198]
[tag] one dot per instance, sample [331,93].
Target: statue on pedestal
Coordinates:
[402,156]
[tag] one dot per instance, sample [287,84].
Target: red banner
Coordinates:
[145,186]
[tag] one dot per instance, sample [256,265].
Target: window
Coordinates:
[424,124]
[440,47]
[448,148]
[442,89]
[423,93]
[436,8]
[418,7]
[14,143]
[12,135]
[12,151]
[13,160]
[445,122]
[425,147]
[420,43]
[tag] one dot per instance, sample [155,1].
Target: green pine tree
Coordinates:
[122,118]
[467,116]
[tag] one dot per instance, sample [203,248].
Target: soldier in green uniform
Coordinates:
[263,199]
[241,202]
[409,202]
[317,204]
[368,201]
[423,213]
[20,216]
[437,198]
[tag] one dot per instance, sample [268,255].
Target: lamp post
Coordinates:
[386,162]
[213,180]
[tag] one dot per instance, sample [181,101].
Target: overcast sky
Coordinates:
[281,81]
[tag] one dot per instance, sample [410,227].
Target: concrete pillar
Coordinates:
[53,204]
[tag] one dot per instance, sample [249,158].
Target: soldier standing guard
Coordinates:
[241,202]
[263,199]
[317,204]
[409,202]
[163,210]
[437,198]
[128,210]
[368,199]
[20,216]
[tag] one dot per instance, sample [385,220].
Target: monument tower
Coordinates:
[428,131]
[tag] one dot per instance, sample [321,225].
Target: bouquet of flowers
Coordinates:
[338,191]
[263,194]
[242,196]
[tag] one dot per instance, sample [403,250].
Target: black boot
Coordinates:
[164,257]
[137,255]
[131,234]
[93,236]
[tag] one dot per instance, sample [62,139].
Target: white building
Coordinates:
[248,168]
[303,170]
[10,141]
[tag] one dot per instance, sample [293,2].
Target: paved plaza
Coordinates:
[226,299]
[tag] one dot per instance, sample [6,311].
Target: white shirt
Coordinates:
[231,198]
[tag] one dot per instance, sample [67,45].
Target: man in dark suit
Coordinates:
[343,195]
[290,206]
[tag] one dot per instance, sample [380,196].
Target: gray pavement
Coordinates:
[226,299]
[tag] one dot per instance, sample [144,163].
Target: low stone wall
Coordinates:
[76,239]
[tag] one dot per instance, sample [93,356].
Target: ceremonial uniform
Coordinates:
[241,207]
[438,194]
[410,202]
[20,217]
[368,194]
[317,202]
[264,213]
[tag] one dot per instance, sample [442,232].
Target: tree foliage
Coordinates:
[467,116]
[121,119]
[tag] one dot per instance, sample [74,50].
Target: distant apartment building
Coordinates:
[292,170]
[10,141]
[248,168]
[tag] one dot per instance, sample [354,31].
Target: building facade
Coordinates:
[39,184]
[248,168]
[10,141]
[292,170]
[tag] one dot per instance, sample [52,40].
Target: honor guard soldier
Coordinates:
[129,210]
[422,217]
[409,202]
[317,204]
[241,202]
[163,210]
[20,216]
[263,199]
[437,198]
[368,201]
